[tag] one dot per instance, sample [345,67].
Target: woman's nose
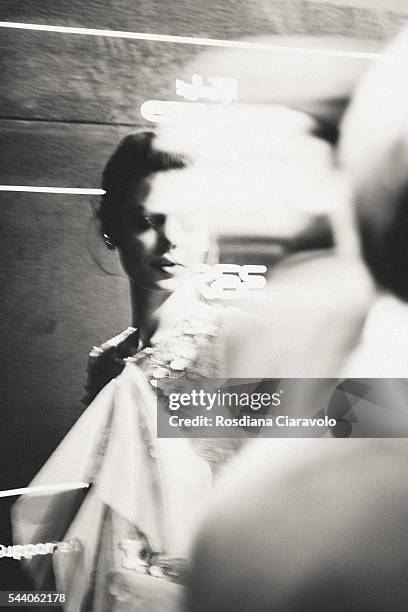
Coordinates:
[164,243]
[170,234]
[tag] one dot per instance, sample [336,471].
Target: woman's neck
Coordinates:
[145,304]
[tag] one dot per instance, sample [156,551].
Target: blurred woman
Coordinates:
[131,533]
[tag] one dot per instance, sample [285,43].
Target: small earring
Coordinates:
[109,242]
[173,246]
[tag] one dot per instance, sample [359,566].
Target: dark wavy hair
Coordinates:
[134,159]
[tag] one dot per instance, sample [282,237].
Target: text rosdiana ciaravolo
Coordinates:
[217,401]
[249,421]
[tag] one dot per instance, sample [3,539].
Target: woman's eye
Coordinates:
[143,222]
[148,220]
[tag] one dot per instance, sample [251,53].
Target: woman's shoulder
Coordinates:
[220,319]
[241,345]
[251,349]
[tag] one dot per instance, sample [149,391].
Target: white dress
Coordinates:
[136,523]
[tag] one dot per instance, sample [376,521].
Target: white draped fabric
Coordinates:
[159,485]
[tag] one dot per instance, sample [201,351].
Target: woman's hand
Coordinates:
[106,362]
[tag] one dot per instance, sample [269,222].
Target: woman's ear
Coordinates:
[108,240]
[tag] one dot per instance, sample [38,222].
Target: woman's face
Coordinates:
[155,246]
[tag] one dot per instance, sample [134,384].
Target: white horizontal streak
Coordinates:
[68,190]
[188,40]
[68,486]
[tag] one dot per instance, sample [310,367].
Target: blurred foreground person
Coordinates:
[317,525]
[307,525]
[374,151]
[318,291]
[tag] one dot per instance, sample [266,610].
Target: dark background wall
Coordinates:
[65,101]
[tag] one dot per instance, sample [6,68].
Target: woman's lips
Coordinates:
[164,265]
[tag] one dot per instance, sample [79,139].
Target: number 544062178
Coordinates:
[24,598]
